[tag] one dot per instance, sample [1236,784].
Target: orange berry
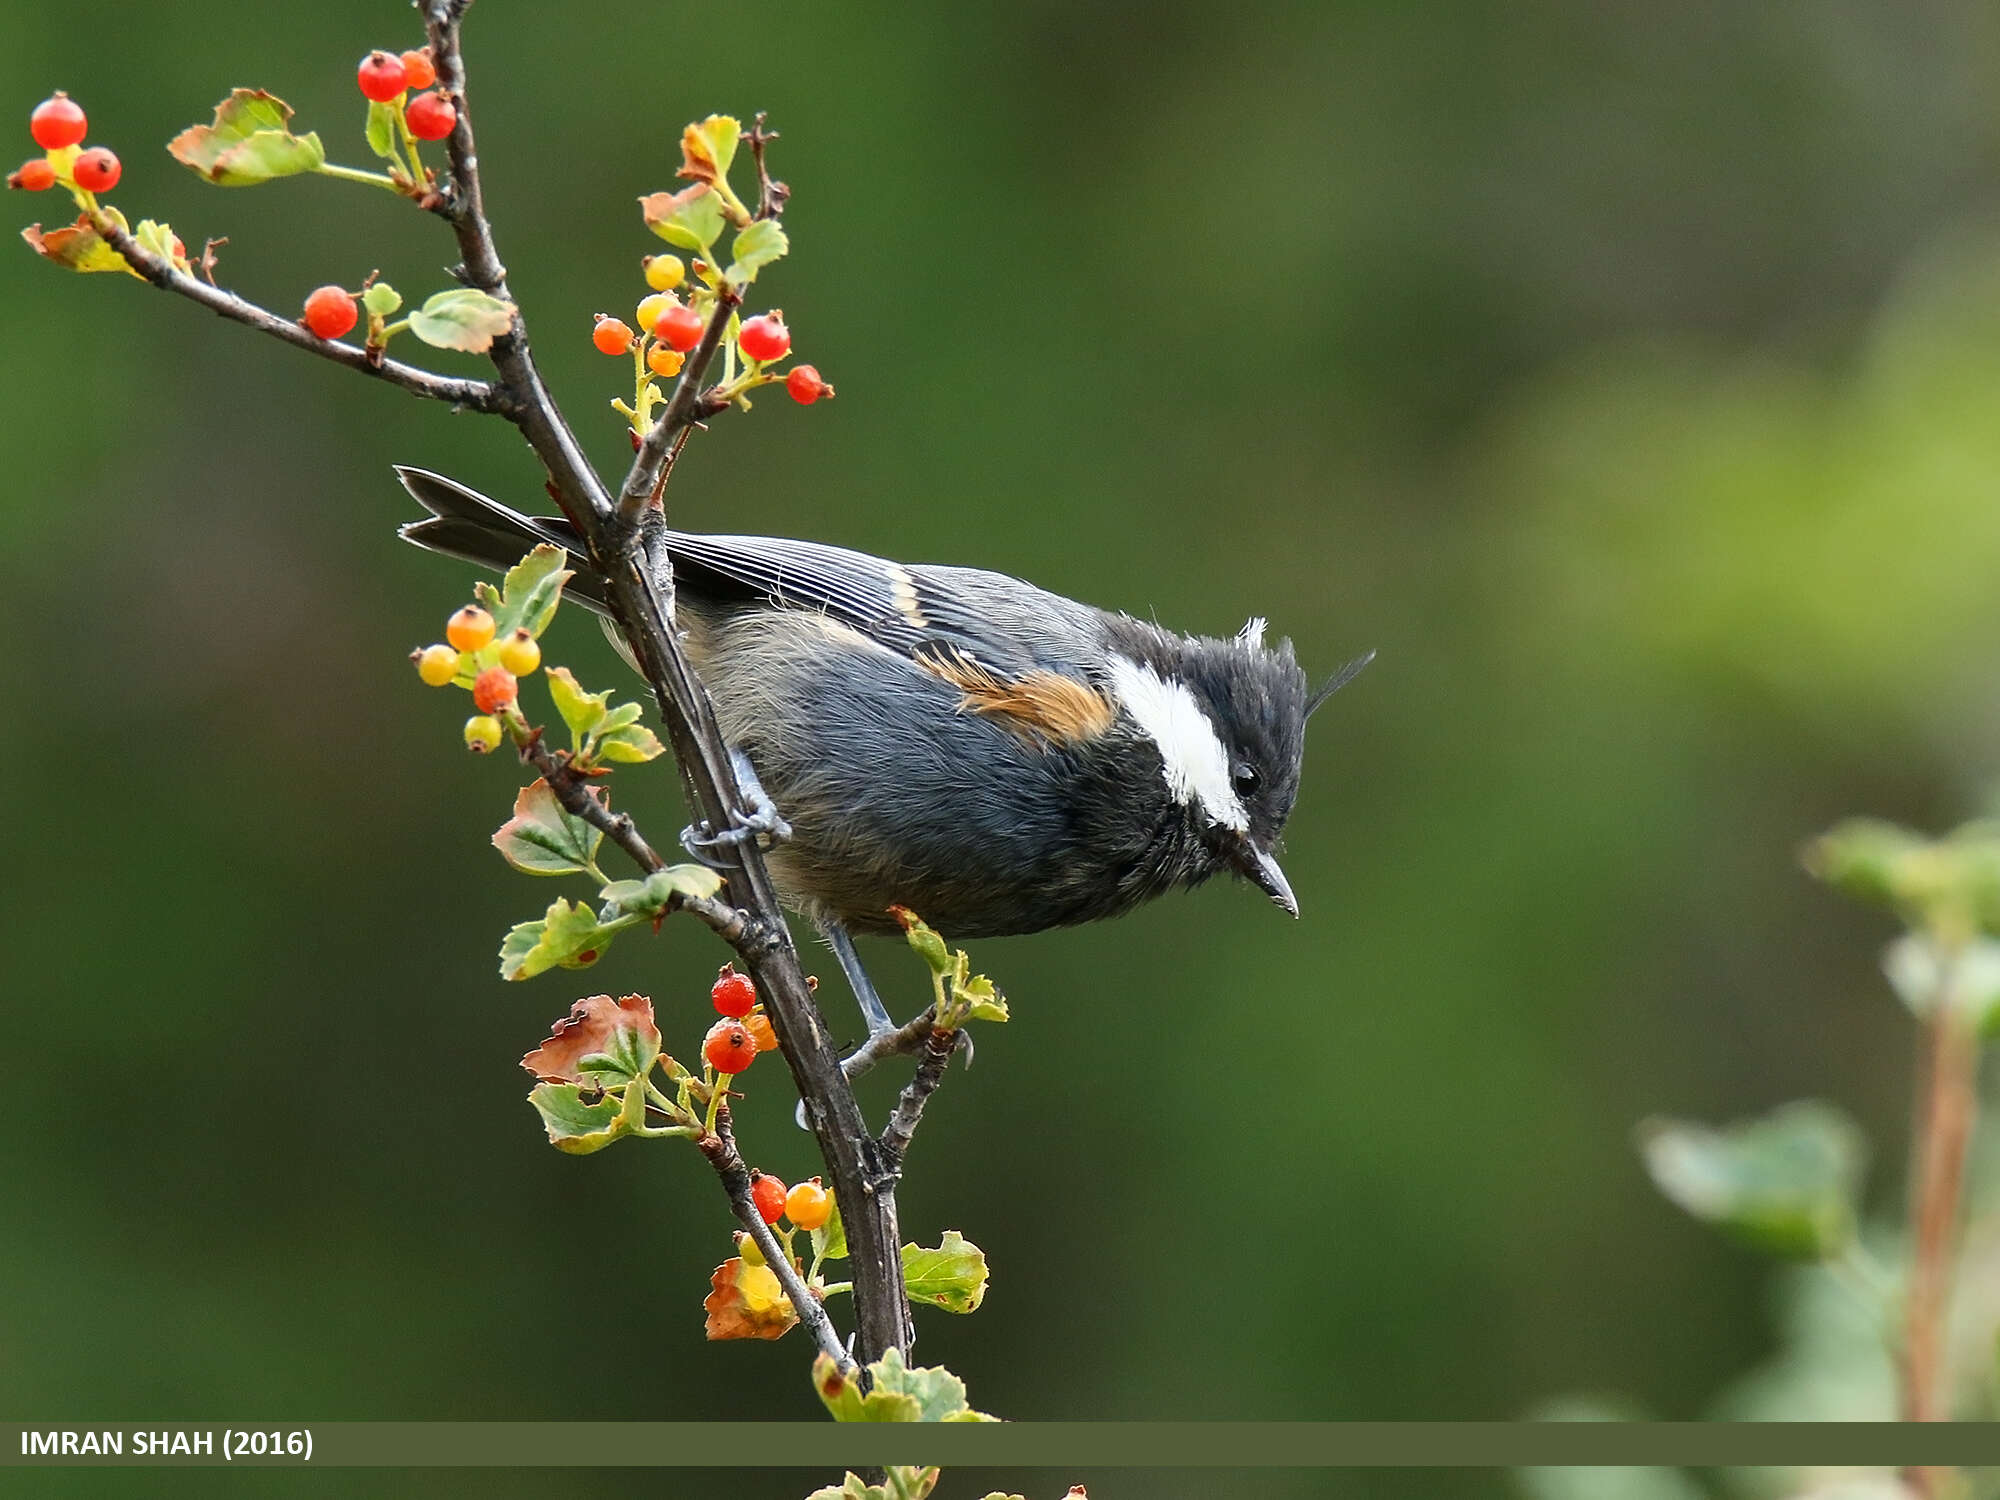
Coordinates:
[330,312]
[664,362]
[34,176]
[419,72]
[809,1205]
[611,336]
[728,1047]
[759,1026]
[494,689]
[469,629]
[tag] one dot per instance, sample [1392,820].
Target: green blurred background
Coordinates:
[1629,376]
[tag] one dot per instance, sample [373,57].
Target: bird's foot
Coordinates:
[762,822]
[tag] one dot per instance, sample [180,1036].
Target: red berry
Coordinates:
[58,121]
[768,1193]
[35,175]
[804,386]
[431,116]
[766,338]
[382,76]
[97,170]
[330,312]
[493,690]
[728,1047]
[679,328]
[611,336]
[734,994]
[419,72]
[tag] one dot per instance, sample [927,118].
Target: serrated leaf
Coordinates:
[546,838]
[462,318]
[631,745]
[906,1482]
[708,148]
[581,1120]
[159,239]
[75,247]
[952,1277]
[582,712]
[529,594]
[755,248]
[689,219]
[567,936]
[656,893]
[250,141]
[1785,1183]
[898,1393]
[602,1043]
[747,1302]
[381,299]
[982,999]
[381,130]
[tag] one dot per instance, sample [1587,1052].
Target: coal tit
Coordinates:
[997,758]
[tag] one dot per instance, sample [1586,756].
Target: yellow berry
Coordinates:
[437,665]
[482,733]
[663,274]
[652,307]
[469,629]
[520,654]
[664,362]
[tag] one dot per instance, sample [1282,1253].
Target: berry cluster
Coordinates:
[669,329]
[808,1205]
[386,78]
[471,657]
[733,1043]
[59,125]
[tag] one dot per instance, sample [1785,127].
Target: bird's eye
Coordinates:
[1245,779]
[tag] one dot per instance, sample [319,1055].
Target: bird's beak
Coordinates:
[1263,872]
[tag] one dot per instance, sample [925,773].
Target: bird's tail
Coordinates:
[474,528]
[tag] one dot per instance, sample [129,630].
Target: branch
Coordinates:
[634,562]
[474,395]
[1947,1106]
[720,1149]
[771,194]
[904,1039]
[938,1047]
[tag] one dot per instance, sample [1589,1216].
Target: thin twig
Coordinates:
[688,405]
[903,1040]
[1947,1108]
[474,395]
[573,791]
[902,1125]
[720,1149]
[771,194]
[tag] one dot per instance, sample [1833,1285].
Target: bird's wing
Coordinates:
[1012,650]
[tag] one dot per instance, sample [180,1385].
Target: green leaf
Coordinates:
[1951,885]
[250,141]
[829,1241]
[707,149]
[76,247]
[582,711]
[546,838]
[568,935]
[159,239]
[982,999]
[755,248]
[1921,975]
[580,1127]
[1626,1482]
[601,1043]
[529,594]
[952,1277]
[906,1482]
[928,1393]
[381,299]
[924,940]
[382,131]
[655,894]
[633,744]
[462,318]
[1785,1183]
[689,219]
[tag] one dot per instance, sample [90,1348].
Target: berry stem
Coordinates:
[356,174]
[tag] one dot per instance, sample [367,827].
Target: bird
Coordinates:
[994,757]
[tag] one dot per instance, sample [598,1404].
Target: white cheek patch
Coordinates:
[1195,764]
